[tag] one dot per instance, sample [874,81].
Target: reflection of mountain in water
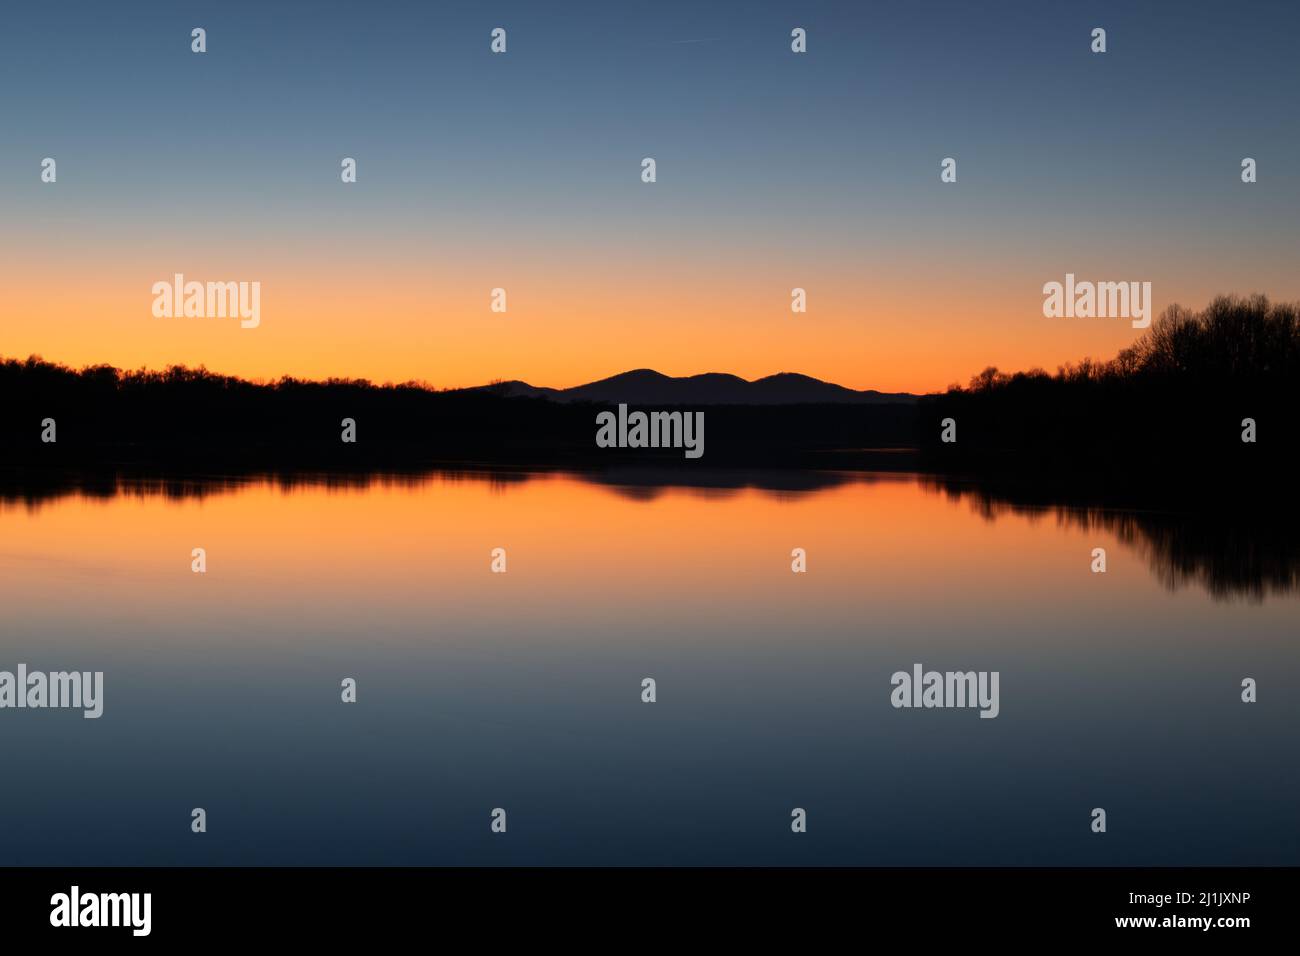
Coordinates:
[32,487]
[1245,552]
[1228,549]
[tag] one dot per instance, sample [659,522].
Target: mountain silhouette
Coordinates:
[645,386]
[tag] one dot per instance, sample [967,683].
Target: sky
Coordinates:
[522,171]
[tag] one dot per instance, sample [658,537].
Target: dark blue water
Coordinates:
[523,690]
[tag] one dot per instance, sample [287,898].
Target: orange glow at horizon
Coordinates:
[411,321]
[272,548]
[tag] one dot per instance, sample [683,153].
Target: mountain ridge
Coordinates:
[642,386]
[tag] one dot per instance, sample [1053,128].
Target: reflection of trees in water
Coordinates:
[1243,554]
[35,488]
[1246,554]
[635,483]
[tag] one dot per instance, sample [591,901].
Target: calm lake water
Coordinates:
[522,690]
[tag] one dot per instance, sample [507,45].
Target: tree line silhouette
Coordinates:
[1175,400]
[192,417]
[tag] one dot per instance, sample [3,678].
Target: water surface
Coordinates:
[523,690]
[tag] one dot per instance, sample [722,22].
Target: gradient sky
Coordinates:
[523,171]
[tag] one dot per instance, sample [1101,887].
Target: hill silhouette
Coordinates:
[645,386]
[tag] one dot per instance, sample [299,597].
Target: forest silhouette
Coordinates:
[1172,404]
[1175,403]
